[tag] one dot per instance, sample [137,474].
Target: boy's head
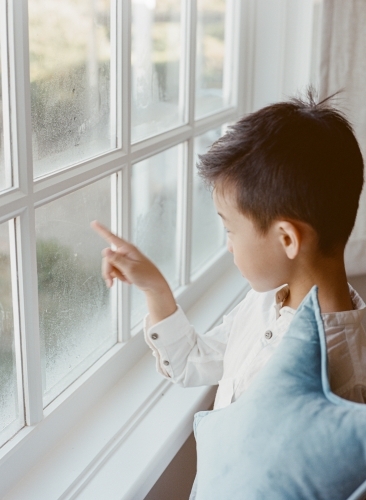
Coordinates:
[296,161]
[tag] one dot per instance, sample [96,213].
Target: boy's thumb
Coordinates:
[115,258]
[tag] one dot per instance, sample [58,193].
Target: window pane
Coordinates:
[11,418]
[210,57]
[156,69]
[75,312]
[5,166]
[154,218]
[207,229]
[70,59]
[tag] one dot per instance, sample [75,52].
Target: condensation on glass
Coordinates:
[207,229]
[11,407]
[156,67]
[212,58]
[76,313]
[154,218]
[70,62]
[6,180]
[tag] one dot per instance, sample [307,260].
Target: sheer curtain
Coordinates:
[343,66]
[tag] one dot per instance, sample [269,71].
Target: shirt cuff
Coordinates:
[168,339]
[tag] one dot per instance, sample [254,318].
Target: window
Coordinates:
[101,118]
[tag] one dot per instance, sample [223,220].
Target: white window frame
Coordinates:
[46,428]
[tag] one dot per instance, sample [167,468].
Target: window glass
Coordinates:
[207,229]
[70,58]
[154,218]
[156,67]
[5,166]
[11,418]
[77,323]
[210,57]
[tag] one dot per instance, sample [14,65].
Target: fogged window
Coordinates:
[154,218]
[75,311]
[70,67]
[207,230]
[157,69]
[212,89]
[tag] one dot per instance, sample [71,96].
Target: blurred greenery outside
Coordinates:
[74,303]
[70,292]
[69,46]
[212,48]
[157,52]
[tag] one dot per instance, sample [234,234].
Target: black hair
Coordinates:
[296,159]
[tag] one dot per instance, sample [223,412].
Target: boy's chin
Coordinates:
[263,287]
[258,288]
[263,284]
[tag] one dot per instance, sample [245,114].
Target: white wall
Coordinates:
[286,49]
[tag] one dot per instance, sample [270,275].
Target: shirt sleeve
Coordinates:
[186,357]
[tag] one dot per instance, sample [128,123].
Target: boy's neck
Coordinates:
[329,274]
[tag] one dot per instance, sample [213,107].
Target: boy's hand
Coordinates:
[128,264]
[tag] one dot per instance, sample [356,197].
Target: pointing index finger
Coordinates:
[108,235]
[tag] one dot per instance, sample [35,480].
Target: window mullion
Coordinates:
[187,98]
[20,96]
[29,321]
[124,73]
[185,212]
[191,34]
[244,26]
[124,184]
[124,228]
[114,228]
[230,53]
[15,300]
[114,115]
[25,224]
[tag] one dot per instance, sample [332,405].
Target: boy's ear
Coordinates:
[290,238]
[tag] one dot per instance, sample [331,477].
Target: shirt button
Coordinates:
[268,334]
[154,336]
[166,363]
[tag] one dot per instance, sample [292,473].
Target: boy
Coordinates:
[286,182]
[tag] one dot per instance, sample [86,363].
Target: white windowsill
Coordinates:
[121,446]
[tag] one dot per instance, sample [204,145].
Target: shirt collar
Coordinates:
[353,317]
[330,319]
[280,297]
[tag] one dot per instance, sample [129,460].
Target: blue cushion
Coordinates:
[288,437]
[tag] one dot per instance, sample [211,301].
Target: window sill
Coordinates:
[122,444]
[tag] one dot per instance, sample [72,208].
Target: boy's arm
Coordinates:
[128,264]
[183,355]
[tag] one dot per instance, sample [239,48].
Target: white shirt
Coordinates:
[232,353]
